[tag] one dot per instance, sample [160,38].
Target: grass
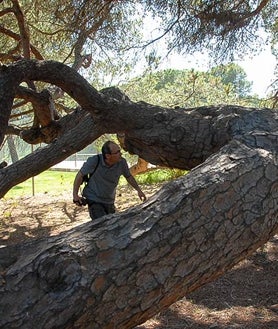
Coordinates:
[48,182]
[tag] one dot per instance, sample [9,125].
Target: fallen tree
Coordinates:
[120,270]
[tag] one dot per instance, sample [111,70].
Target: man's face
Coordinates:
[115,154]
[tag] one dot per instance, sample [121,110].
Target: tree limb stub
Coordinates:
[120,270]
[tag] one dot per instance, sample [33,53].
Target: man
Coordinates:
[100,190]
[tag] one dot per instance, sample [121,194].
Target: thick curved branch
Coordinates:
[177,138]
[73,140]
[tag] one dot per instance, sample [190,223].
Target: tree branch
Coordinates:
[155,134]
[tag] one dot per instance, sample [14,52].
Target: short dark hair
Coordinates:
[106,148]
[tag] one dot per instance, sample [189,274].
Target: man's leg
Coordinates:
[109,208]
[97,210]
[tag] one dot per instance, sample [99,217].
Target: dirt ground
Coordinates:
[244,298]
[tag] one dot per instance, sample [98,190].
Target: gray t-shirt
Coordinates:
[102,184]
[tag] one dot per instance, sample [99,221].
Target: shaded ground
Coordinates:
[244,298]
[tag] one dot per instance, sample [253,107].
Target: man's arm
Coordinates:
[131,180]
[76,184]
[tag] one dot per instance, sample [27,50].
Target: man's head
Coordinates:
[111,152]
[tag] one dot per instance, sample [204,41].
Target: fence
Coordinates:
[73,164]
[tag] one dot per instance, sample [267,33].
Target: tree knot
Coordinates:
[58,273]
[177,134]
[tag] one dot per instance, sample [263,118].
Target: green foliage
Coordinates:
[114,34]
[159,175]
[191,88]
[224,28]
[233,75]
[55,27]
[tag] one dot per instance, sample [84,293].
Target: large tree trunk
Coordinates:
[120,270]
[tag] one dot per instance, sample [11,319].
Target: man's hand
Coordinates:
[80,201]
[142,196]
[131,180]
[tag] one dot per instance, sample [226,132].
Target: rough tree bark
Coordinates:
[120,270]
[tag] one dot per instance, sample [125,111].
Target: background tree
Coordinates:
[232,74]
[188,88]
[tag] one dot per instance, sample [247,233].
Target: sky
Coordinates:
[259,69]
